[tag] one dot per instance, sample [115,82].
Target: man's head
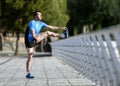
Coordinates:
[37,15]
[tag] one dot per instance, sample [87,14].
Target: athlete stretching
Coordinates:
[33,37]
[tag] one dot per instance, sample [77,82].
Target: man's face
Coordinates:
[39,16]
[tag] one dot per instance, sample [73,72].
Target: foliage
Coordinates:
[81,12]
[96,13]
[15,14]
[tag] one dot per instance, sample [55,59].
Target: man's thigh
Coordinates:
[42,36]
[30,50]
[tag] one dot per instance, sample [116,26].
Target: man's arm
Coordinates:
[55,27]
[34,35]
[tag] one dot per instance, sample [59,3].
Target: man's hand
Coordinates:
[37,40]
[64,28]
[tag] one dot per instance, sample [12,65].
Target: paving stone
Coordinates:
[48,71]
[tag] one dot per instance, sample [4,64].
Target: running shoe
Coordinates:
[64,34]
[29,76]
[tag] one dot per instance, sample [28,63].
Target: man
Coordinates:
[33,37]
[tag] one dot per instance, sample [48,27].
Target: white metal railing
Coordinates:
[95,55]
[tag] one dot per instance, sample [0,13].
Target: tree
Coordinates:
[80,12]
[19,12]
[96,13]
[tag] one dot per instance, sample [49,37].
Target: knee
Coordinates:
[31,54]
[30,57]
[48,33]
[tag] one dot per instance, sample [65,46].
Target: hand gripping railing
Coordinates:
[95,55]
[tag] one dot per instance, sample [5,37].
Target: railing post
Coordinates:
[96,55]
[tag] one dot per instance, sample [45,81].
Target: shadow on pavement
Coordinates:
[42,55]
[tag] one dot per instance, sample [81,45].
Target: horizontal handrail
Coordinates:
[94,55]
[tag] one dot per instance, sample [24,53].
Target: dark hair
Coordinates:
[35,13]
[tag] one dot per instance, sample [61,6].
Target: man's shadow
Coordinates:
[42,55]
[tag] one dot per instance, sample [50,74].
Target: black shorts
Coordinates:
[29,44]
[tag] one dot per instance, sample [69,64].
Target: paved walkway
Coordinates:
[48,71]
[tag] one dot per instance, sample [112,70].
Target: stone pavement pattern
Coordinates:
[48,71]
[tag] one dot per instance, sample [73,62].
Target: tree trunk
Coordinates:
[70,27]
[1,42]
[17,40]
